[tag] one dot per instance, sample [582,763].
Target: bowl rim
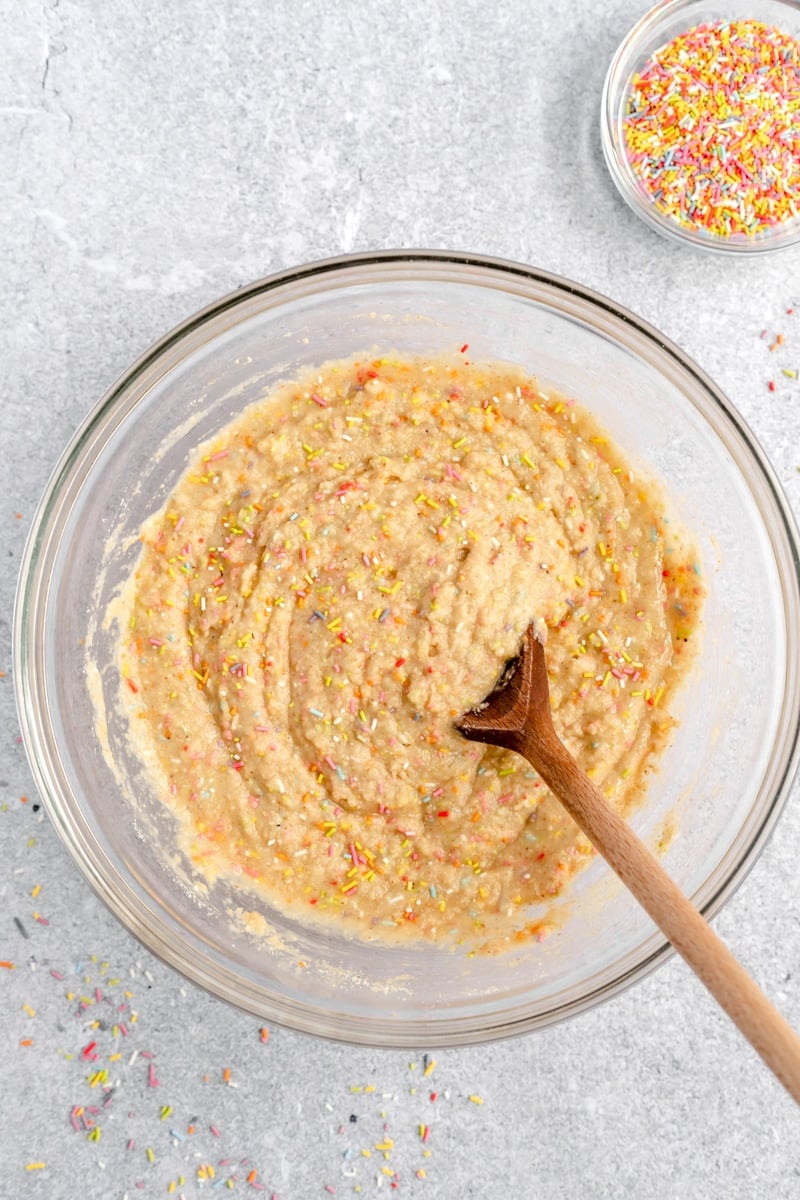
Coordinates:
[613,97]
[107,877]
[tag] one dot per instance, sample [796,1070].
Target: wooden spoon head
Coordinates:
[520,699]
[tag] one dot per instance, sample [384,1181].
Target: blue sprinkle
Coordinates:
[341,773]
[316,713]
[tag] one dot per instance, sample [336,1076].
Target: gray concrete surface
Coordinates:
[152,157]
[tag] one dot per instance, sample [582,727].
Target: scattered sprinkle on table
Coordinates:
[712,128]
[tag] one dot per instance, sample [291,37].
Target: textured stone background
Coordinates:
[155,156]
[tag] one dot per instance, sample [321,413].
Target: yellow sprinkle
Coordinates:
[476,1099]
[430,1067]
[35,1166]
[459,443]
[151,1156]
[26,1008]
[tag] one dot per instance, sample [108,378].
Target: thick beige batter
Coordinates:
[342,572]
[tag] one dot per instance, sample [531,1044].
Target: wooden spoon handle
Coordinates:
[744,1002]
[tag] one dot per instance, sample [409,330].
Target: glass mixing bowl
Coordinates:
[660,25]
[722,782]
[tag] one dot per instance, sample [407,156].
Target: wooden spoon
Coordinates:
[517,716]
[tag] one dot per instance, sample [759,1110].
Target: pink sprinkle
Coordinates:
[215,1132]
[330,762]
[261,728]
[151,1077]
[216,457]
[303,554]
[42,920]
[146,1053]
[56,975]
[179,523]
[123,1029]
[131,1143]
[319,400]
[329,1188]
[438,791]
[98,995]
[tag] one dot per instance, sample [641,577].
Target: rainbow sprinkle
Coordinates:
[712,128]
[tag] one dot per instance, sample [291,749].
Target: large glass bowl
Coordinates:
[667,20]
[722,782]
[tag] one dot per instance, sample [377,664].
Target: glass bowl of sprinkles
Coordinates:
[700,123]
[710,805]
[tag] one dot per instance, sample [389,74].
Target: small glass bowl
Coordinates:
[657,27]
[721,784]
